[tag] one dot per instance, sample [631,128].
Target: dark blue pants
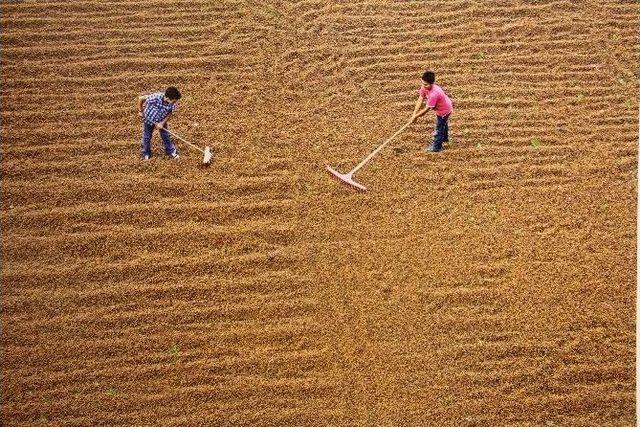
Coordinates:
[147,132]
[441,134]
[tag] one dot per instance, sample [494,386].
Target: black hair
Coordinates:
[172,93]
[429,77]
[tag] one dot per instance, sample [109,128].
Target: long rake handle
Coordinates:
[184,140]
[370,156]
[180,138]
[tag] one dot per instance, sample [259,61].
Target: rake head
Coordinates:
[346,178]
[208,155]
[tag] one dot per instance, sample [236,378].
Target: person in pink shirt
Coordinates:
[434,98]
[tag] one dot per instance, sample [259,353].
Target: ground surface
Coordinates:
[492,284]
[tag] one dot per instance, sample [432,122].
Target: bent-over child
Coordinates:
[434,98]
[155,109]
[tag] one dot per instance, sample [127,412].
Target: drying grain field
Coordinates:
[491,284]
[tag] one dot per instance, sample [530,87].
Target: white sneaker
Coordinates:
[146,158]
[175,156]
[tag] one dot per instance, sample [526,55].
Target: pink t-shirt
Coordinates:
[436,99]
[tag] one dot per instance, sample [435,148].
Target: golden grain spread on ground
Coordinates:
[491,284]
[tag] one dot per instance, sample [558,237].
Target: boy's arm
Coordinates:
[141,101]
[423,111]
[418,104]
[161,124]
[417,112]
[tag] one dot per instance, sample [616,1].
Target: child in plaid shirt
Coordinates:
[155,110]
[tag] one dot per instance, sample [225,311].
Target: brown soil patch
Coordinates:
[492,284]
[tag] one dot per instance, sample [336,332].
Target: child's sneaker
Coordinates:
[174,156]
[146,157]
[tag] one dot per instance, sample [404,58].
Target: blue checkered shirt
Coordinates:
[155,109]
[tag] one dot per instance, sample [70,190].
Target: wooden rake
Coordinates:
[347,178]
[207,153]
